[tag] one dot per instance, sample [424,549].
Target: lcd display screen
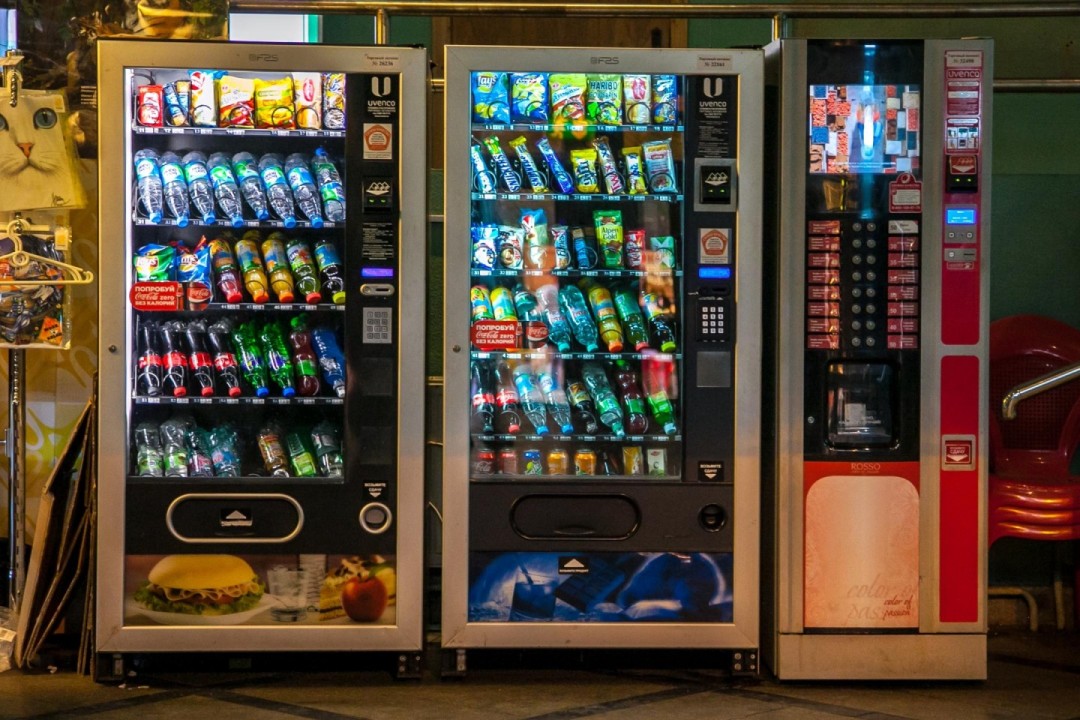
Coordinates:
[864,129]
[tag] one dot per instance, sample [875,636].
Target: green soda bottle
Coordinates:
[250,358]
[303,270]
[301,459]
[277,358]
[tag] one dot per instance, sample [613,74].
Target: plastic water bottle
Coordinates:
[272,450]
[148,181]
[331,272]
[604,310]
[251,267]
[547,298]
[330,187]
[250,358]
[148,460]
[175,187]
[627,306]
[277,266]
[303,270]
[277,357]
[596,381]
[220,336]
[576,311]
[200,460]
[532,401]
[303,188]
[557,403]
[251,187]
[277,188]
[583,405]
[226,190]
[659,402]
[225,451]
[331,359]
[327,443]
[632,399]
[199,187]
[174,448]
[305,361]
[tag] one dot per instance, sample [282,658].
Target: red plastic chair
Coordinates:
[1032,493]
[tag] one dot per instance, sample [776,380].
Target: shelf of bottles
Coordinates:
[237,280]
[575,283]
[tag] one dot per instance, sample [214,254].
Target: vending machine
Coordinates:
[602,364]
[261,445]
[879,357]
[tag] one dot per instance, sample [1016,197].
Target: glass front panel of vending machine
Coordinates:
[576,293]
[262,413]
[600,219]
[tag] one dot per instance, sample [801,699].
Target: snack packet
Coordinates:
[528,165]
[334,101]
[528,97]
[151,107]
[193,269]
[635,171]
[502,163]
[603,99]
[510,243]
[483,179]
[537,241]
[583,165]
[183,94]
[568,97]
[154,263]
[484,238]
[560,238]
[274,104]
[491,97]
[609,236]
[665,99]
[662,253]
[204,106]
[307,100]
[637,97]
[659,165]
[634,249]
[562,178]
[236,102]
[612,180]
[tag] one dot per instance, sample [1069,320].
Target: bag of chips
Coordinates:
[665,99]
[568,97]
[659,165]
[274,104]
[236,102]
[528,97]
[637,96]
[491,97]
[204,97]
[307,100]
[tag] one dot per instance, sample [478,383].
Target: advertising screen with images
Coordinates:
[864,129]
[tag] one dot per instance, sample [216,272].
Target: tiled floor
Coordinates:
[1030,676]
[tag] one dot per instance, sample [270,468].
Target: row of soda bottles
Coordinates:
[178,447]
[211,357]
[504,392]
[554,314]
[168,182]
[587,460]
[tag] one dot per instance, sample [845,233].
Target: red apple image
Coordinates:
[364,600]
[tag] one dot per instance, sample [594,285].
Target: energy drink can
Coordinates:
[558,462]
[585,462]
[533,461]
[481,303]
[632,460]
[508,461]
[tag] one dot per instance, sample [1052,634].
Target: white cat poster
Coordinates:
[37,156]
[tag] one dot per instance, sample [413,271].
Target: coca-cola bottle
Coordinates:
[219,334]
[506,400]
[199,357]
[173,358]
[483,396]
[149,373]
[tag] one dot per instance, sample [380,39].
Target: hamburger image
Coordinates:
[201,585]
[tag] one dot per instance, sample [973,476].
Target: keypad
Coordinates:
[378,326]
[712,319]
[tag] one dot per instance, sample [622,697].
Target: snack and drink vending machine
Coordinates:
[261,443]
[603,258]
[881,286]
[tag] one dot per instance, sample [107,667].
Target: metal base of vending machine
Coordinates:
[456,662]
[881,657]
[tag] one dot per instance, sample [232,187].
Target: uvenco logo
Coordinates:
[380,86]
[712,87]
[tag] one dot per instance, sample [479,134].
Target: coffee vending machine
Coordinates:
[875,498]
